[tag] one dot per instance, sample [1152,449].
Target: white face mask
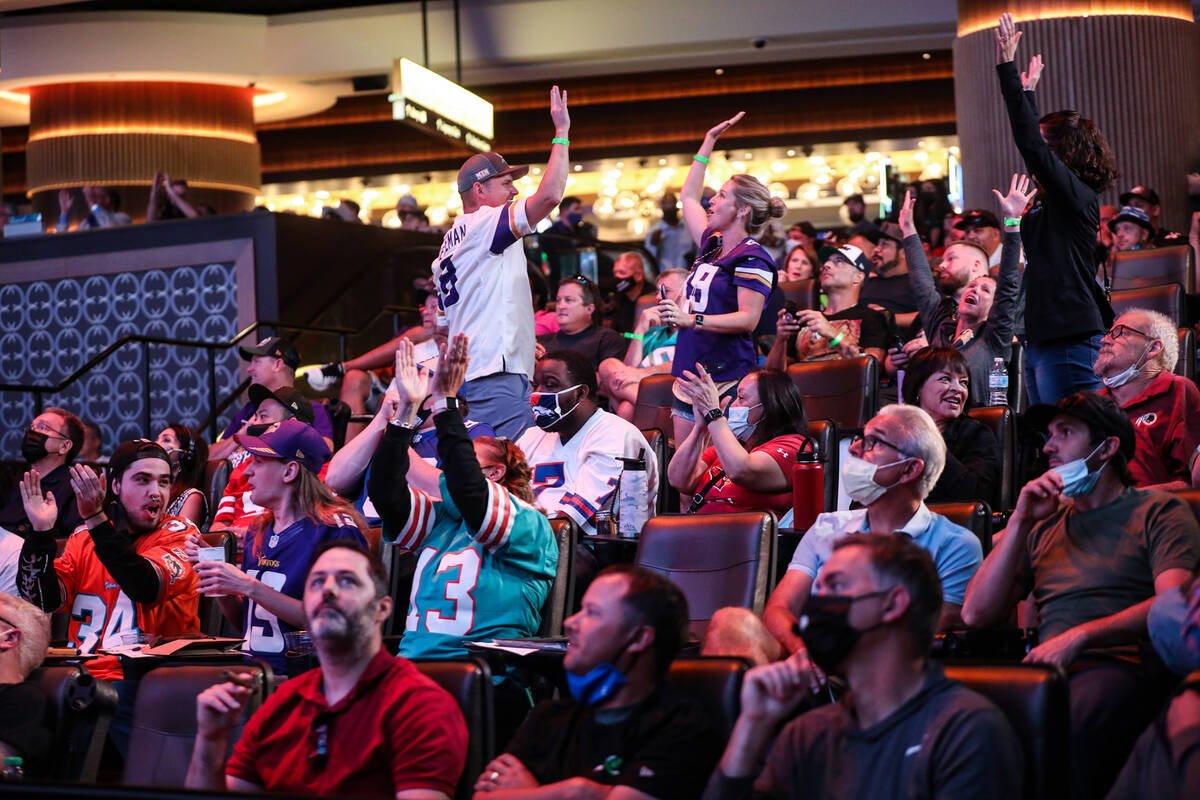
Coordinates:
[1076,477]
[858,477]
[1129,373]
[738,418]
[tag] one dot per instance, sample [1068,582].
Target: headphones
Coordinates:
[187,456]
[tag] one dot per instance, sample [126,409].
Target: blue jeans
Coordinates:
[1055,371]
[502,401]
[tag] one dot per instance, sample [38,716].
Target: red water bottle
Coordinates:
[808,490]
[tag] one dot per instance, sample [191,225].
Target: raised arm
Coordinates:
[349,464]
[136,576]
[554,181]
[693,186]
[920,276]
[464,478]
[1003,316]
[37,579]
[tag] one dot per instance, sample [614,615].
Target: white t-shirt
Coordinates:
[577,477]
[10,556]
[483,289]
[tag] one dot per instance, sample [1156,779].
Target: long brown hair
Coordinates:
[1080,145]
[517,473]
[311,498]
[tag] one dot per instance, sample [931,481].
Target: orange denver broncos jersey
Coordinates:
[100,610]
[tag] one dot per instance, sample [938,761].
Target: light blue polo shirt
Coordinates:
[956,551]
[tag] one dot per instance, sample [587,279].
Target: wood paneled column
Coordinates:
[1132,67]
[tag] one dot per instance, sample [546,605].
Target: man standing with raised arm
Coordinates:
[482,283]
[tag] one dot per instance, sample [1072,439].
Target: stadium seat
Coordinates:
[1166,298]
[824,432]
[401,565]
[216,477]
[78,710]
[469,682]
[1134,269]
[653,407]
[805,293]
[1018,399]
[845,390]
[718,560]
[164,720]
[1033,698]
[715,683]
[1186,365]
[668,496]
[975,517]
[1003,423]
[562,591]
[212,621]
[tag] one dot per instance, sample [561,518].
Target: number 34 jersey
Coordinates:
[101,611]
[472,586]
[483,288]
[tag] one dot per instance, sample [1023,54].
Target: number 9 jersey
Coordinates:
[472,586]
[101,611]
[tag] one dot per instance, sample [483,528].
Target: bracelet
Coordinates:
[835,341]
[560,140]
[637,336]
[701,159]
[1012,221]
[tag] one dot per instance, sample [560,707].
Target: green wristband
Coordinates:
[634,336]
[1012,221]
[835,341]
[560,140]
[701,159]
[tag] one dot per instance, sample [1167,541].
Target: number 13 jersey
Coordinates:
[483,288]
[472,586]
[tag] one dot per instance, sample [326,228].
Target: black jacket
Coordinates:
[972,464]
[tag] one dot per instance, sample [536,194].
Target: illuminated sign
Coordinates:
[428,101]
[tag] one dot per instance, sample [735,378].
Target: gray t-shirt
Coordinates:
[1084,565]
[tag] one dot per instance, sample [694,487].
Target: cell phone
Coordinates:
[662,293]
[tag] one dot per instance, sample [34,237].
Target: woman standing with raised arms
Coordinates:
[729,282]
[1066,311]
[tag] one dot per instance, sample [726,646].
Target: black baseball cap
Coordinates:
[1140,192]
[1097,410]
[275,346]
[1132,214]
[890,230]
[854,198]
[288,397]
[484,166]
[978,218]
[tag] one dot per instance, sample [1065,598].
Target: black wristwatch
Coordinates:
[712,415]
[445,404]
[699,320]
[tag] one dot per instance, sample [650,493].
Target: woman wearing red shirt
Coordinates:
[740,458]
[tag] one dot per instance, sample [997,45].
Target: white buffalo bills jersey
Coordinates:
[483,289]
[577,477]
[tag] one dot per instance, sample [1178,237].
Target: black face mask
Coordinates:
[625,284]
[258,430]
[670,215]
[827,633]
[33,446]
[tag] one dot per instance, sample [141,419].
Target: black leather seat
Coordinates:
[718,560]
[164,720]
[216,478]
[79,708]
[1134,269]
[845,390]
[824,432]
[975,517]
[1167,298]
[1018,398]
[805,293]
[1186,365]
[401,566]
[469,682]
[1003,424]
[715,682]
[653,406]
[668,497]
[1033,698]
[212,621]
[562,591]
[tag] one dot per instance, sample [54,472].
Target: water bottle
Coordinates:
[633,488]
[808,490]
[998,383]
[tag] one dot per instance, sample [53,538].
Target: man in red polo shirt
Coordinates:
[366,724]
[1136,363]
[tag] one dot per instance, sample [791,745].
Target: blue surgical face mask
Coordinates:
[574,219]
[547,407]
[1077,479]
[739,421]
[1129,373]
[596,685]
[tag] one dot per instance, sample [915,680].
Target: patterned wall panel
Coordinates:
[48,329]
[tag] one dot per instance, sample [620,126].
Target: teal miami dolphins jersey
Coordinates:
[470,585]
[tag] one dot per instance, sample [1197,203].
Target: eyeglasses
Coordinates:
[42,427]
[1120,331]
[10,624]
[868,444]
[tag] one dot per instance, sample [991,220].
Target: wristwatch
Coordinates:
[713,414]
[699,320]
[445,404]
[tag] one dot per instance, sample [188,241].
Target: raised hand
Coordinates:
[42,510]
[905,218]
[1020,192]
[715,131]
[558,111]
[701,389]
[452,367]
[89,490]
[218,577]
[1029,80]
[1007,37]
[411,385]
